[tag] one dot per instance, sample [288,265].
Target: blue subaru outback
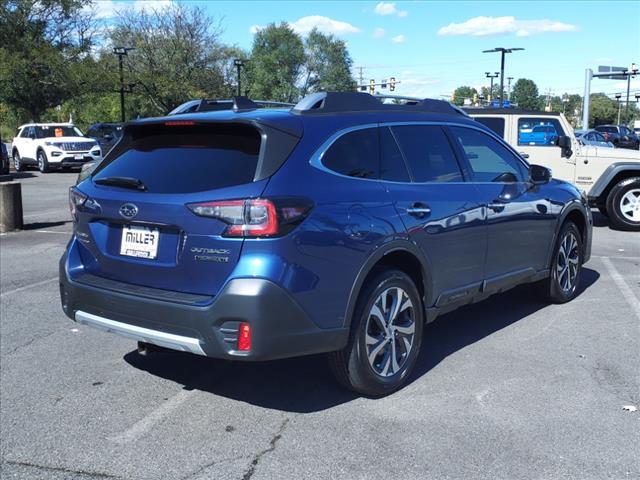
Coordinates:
[341,225]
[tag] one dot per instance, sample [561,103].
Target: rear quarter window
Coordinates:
[355,154]
[187,159]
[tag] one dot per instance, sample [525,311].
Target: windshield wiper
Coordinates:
[124,182]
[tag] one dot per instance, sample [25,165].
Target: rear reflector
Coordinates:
[244,337]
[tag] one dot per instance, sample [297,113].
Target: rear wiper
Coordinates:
[124,182]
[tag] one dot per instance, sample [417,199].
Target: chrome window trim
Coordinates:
[316,158]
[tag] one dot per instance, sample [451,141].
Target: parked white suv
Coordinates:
[52,146]
[609,176]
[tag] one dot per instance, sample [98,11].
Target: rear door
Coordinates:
[442,213]
[150,237]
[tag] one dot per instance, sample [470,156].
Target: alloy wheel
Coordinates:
[568,262]
[630,205]
[390,332]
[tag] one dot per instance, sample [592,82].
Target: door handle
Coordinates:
[524,155]
[419,210]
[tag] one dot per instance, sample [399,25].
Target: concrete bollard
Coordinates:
[10,206]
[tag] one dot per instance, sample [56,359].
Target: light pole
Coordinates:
[491,76]
[618,97]
[502,51]
[121,52]
[239,63]
[509,87]
[633,71]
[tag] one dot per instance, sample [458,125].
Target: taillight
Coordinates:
[258,217]
[76,199]
[244,337]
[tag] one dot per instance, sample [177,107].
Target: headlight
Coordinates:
[53,144]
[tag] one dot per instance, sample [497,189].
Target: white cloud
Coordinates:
[389,8]
[304,25]
[379,33]
[486,26]
[106,9]
[418,86]
[385,8]
[399,39]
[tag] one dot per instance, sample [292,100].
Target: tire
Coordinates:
[17,162]
[372,331]
[566,267]
[623,204]
[603,211]
[43,163]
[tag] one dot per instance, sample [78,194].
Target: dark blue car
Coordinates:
[342,225]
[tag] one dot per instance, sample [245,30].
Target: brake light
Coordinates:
[76,199]
[244,337]
[179,123]
[259,217]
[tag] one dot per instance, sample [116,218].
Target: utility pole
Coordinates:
[121,52]
[361,76]
[633,71]
[618,97]
[489,75]
[502,51]
[509,87]
[239,63]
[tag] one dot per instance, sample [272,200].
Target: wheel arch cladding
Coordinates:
[401,255]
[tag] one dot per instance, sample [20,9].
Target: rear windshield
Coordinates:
[607,129]
[186,159]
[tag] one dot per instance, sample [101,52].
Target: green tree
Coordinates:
[177,56]
[276,63]
[44,53]
[602,110]
[462,93]
[327,64]
[525,94]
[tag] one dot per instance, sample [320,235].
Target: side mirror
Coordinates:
[32,136]
[564,143]
[539,175]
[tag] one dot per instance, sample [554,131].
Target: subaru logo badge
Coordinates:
[128,210]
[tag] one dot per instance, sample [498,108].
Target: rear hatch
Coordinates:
[135,225]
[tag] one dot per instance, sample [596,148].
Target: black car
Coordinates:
[620,135]
[4,159]
[106,134]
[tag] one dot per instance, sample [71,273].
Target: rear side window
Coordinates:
[428,153]
[494,123]
[186,159]
[392,166]
[355,154]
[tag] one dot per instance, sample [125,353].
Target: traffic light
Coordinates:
[392,84]
[383,84]
[372,86]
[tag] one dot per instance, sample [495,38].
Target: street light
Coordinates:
[502,51]
[632,72]
[618,97]
[489,75]
[509,87]
[239,63]
[121,52]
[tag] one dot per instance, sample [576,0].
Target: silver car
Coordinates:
[592,137]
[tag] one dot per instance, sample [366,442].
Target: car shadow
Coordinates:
[305,384]
[40,225]
[20,175]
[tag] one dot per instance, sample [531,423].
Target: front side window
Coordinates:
[539,132]
[489,160]
[428,153]
[25,132]
[355,154]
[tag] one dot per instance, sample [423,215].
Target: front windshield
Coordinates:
[46,131]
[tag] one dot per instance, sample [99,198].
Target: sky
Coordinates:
[432,47]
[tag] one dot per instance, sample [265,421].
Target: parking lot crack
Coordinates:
[45,468]
[272,446]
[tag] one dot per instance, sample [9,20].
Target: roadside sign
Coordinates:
[607,69]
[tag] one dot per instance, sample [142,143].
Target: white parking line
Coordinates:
[627,293]
[52,231]
[27,287]
[142,426]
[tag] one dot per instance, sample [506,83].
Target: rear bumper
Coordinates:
[279,327]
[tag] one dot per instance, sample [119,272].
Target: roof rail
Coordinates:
[339,102]
[237,104]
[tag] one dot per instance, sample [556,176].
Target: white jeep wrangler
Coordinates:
[609,176]
[52,145]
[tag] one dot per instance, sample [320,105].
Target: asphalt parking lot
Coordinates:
[506,389]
